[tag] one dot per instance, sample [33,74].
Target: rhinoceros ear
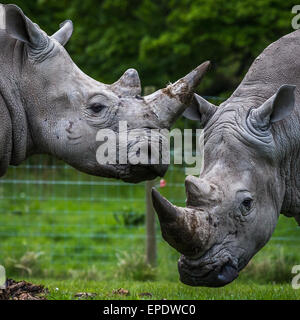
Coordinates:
[18,26]
[64,33]
[200,110]
[276,108]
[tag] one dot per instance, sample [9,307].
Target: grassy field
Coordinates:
[170,290]
[78,233]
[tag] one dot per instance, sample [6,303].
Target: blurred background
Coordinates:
[58,223]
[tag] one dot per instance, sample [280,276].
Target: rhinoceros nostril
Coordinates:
[227,274]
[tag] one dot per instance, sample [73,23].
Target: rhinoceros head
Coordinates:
[65,109]
[233,206]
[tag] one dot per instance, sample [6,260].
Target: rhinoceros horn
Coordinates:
[169,103]
[129,84]
[185,229]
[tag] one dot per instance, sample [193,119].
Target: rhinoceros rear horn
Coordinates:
[129,84]
[19,27]
[169,103]
[64,33]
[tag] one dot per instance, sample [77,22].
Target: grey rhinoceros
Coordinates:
[251,171]
[48,105]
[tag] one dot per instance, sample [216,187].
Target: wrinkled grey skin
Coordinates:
[251,171]
[48,105]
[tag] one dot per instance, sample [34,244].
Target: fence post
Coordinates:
[151,254]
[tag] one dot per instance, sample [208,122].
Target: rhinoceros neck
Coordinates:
[5,137]
[278,64]
[10,64]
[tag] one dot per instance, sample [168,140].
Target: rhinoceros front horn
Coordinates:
[185,229]
[169,103]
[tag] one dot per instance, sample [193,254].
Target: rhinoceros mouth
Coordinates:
[139,173]
[126,173]
[135,173]
[216,268]
[218,276]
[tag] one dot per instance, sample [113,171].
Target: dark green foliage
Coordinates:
[129,218]
[164,39]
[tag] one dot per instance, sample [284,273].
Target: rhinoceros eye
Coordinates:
[96,107]
[246,205]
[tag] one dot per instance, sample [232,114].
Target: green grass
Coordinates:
[66,289]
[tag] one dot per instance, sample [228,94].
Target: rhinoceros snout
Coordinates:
[213,278]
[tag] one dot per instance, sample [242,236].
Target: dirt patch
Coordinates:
[145,294]
[22,290]
[184,95]
[85,295]
[122,292]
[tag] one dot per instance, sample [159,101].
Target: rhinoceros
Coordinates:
[251,171]
[49,106]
